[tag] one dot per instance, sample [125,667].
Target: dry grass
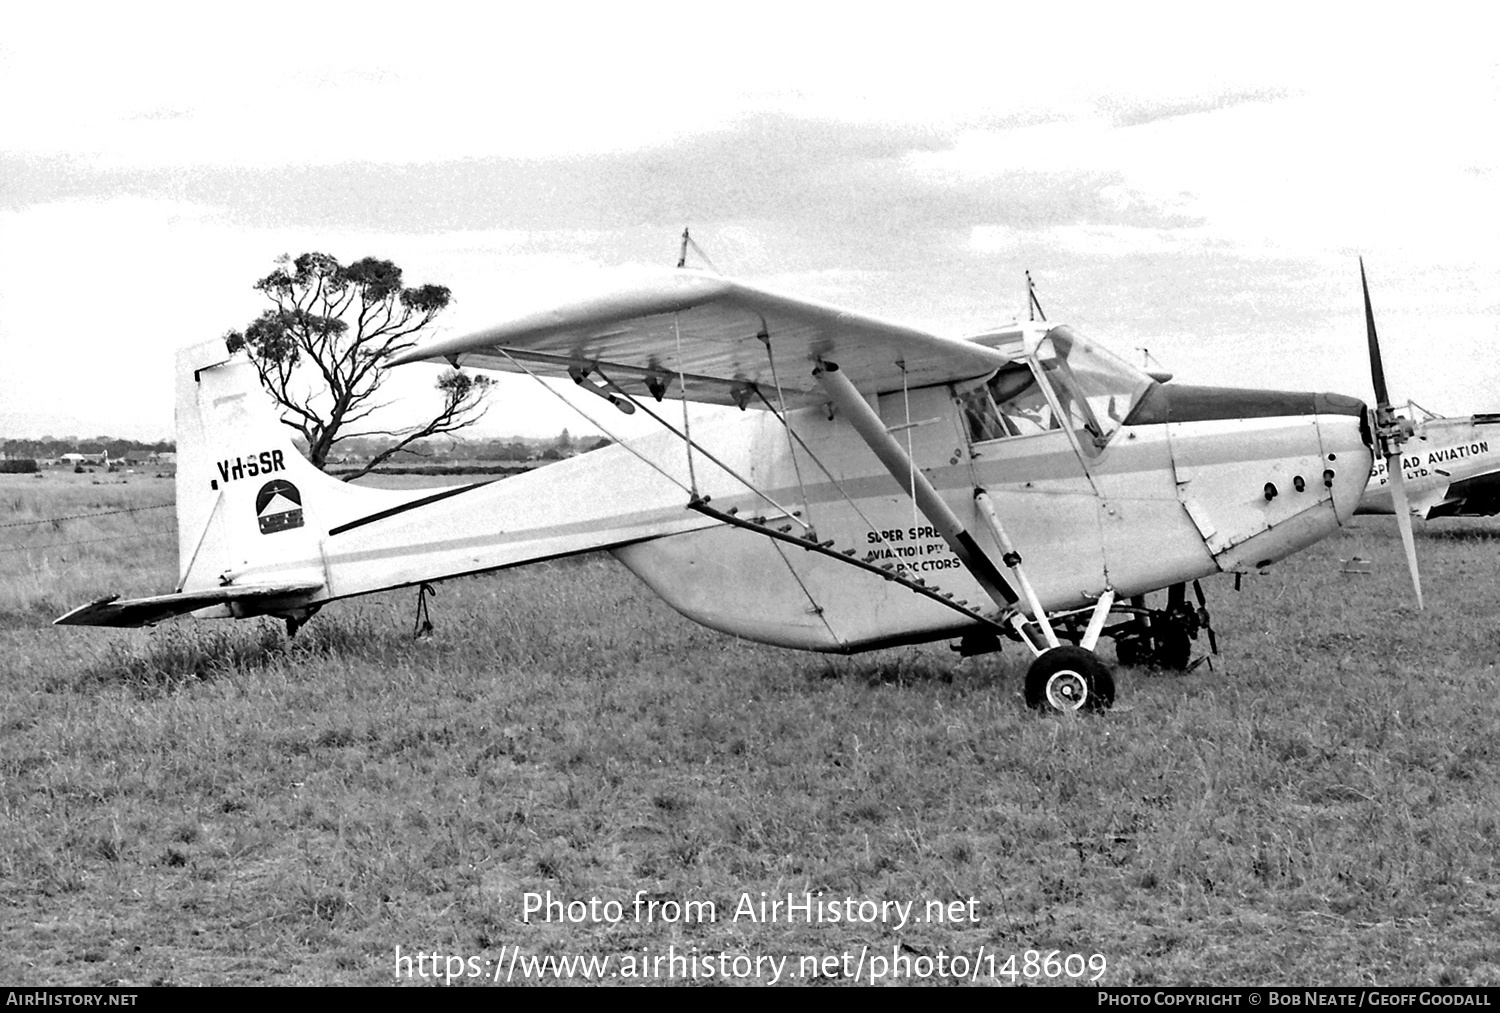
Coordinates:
[47,568]
[207,803]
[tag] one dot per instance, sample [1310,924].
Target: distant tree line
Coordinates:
[56,446]
[510,448]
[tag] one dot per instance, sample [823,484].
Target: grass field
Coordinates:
[208,803]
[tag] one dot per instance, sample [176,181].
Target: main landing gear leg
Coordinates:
[1069,678]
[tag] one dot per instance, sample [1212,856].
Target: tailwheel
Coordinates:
[1069,678]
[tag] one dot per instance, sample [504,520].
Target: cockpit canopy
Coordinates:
[1060,379]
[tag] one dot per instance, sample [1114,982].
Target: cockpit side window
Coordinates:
[1010,403]
[1021,402]
[981,419]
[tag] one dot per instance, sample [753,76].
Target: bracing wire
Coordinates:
[833,480]
[911,462]
[646,460]
[702,450]
[786,423]
[682,392]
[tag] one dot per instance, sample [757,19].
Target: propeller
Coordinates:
[1213,641]
[1390,435]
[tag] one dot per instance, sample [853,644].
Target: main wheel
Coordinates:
[1069,678]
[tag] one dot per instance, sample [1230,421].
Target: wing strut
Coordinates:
[872,430]
[832,478]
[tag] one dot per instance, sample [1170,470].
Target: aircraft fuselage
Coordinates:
[1150,488]
[1103,481]
[1451,468]
[1162,503]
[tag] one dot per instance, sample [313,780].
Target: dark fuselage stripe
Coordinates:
[393,511]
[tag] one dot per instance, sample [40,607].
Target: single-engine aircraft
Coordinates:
[1451,465]
[880,486]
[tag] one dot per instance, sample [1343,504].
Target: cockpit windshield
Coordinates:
[1091,392]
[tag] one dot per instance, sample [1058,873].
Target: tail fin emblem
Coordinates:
[278,506]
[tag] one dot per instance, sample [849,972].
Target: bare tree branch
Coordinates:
[320,351]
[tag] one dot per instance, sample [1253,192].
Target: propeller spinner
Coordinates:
[1391,434]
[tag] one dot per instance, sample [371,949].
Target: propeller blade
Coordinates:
[1391,434]
[1213,641]
[1403,519]
[1377,369]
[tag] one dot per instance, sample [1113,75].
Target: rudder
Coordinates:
[250,507]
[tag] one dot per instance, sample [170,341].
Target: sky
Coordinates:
[1192,182]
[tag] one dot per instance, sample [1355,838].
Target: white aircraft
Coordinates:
[1451,466]
[880,488]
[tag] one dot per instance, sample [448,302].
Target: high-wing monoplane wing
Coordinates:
[716,338]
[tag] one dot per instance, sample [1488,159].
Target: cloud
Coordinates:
[1132,112]
[1099,240]
[817,192]
[1154,176]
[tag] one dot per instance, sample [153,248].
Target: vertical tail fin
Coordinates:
[250,507]
[252,513]
[260,531]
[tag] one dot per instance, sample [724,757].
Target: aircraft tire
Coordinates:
[1069,678]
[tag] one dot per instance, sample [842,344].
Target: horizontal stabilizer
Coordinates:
[112,611]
